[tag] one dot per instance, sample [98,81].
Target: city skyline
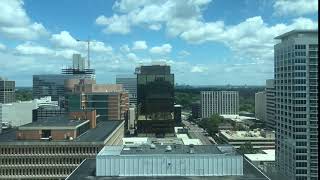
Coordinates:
[206,42]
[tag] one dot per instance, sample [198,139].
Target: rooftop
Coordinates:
[246,134]
[87,169]
[163,149]
[57,122]
[98,134]
[267,155]
[237,118]
[295,32]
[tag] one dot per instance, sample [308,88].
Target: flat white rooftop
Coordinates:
[237,118]
[246,135]
[267,156]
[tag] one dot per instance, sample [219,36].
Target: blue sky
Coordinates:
[206,42]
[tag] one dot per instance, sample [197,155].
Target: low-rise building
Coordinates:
[52,149]
[20,113]
[258,139]
[166,160]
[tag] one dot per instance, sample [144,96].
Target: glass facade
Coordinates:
[155,89]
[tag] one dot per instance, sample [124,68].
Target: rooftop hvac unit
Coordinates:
[168,148]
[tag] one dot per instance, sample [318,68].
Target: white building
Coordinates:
[20,113]
[262,160]
[296,115]
[259,139]
[78,62]
[270,104]
[162,160]
[260,105]
[132,120]
[219,102]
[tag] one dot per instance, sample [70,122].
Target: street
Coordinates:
[198,133]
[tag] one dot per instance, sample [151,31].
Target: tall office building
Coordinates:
[270,104]
[296,87]
[49,85]
[7,91]
[54,84]
[260,105]
[129,83]
[219,102]
[155,103]
[109,100]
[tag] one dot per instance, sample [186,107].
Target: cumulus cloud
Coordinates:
[114,24]
[125,48]
[155,27]
[65,40]
[183,53]
[174,15]
[139,45]
[132,57]
[29,48]
[295,7]
[198,69]
[2,47]
[15,23]
[246,37]
[161,50]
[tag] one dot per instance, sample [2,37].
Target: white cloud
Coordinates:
[198,69]
[251,38]
[125,48]
[114,24]
[174,15]
[64,39]
[139,45]
[29,48]
[15,23]
[132,57]
[183,53]
[295,7]
[2,47]
[98,46]
[164,49]
[155,27]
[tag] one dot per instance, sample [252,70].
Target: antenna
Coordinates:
[88,52]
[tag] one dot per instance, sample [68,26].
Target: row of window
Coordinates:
[41,160]
[34,172]
[49,150]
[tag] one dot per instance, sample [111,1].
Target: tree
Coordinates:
[211,124]
[247,148]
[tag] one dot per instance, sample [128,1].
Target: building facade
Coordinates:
[46,112]
[260,105]
[35,157]
[7,91]
[162,160]
[110,101]
[20,113]
[155,103]
[219,102]
[258,139]
[296,104]
[196,110]
[270,104]
[49,85]
[129,83]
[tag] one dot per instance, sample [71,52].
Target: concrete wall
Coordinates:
[17,114]
[169,165]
